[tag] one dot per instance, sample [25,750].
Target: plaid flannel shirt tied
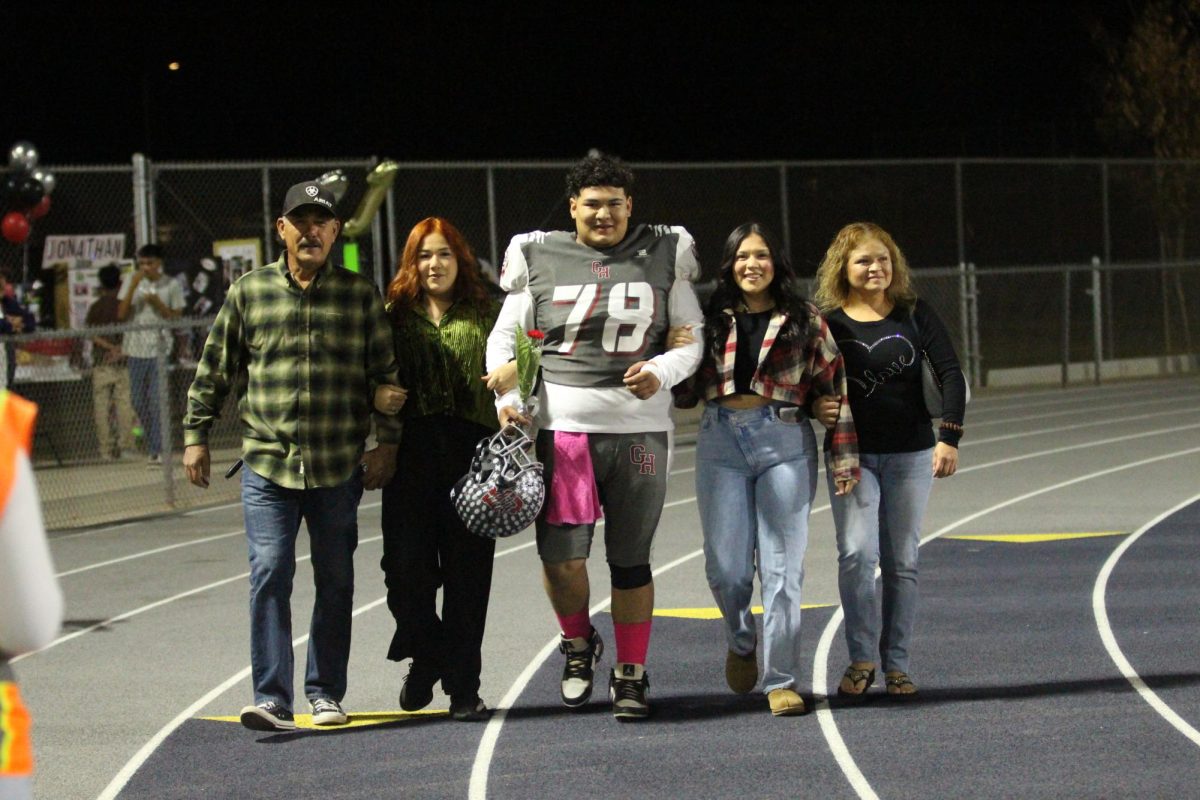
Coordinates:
[792,372]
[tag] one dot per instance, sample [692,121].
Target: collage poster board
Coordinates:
[238,256]
[81,257]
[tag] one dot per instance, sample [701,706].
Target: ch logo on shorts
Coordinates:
[506,502]
[599,270]
[644,459]
[311,191]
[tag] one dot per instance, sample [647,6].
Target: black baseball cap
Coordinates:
[309,193]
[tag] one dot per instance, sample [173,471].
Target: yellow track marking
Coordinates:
[714,613]
[357,720]
[1028,538]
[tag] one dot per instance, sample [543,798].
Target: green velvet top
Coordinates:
[441,365]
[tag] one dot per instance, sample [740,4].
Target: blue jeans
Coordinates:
[143,384]
[755,481]
[879,523]
[273,515]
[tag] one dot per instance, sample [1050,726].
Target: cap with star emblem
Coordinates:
[308,193]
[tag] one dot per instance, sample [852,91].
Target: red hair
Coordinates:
[405,289]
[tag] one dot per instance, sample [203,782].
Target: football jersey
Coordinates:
[600,310]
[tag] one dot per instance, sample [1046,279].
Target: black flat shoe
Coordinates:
[471,709]
[417,691]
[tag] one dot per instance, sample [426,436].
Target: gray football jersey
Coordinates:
[601,310]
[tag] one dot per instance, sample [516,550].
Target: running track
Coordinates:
[1051,663]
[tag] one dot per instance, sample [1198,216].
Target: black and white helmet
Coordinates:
[504,490]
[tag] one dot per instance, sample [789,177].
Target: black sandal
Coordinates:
[896,681]
[854,675]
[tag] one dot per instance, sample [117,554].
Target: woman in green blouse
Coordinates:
[441,314]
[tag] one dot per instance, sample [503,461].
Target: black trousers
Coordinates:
[426,546]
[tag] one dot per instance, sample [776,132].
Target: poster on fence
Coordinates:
[80,257]
[238,256]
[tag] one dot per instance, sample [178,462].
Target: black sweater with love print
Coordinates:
[883,372]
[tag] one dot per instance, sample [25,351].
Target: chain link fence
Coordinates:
[1044,271]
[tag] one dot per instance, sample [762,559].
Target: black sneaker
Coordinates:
[627,687]
[582,655]
[417,691]
[471,709]
[268,716]
[327,712]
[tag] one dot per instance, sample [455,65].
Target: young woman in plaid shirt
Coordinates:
[768,355]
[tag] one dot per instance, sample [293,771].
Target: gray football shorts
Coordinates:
[631,476]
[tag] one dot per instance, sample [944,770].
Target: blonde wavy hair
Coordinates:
[833,287]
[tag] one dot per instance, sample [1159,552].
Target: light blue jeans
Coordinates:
[879,524]
[143,384]
[273,515]
[755,481]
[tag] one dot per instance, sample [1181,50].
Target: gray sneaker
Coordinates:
[582,655]
[327,712]
[627,688]
[268,716]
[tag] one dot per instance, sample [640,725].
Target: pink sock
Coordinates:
[633,640]
[577,625]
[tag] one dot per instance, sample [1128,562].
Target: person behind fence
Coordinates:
[768,355]
[304,346]
[149,298]
[30,601]
[441,312]
[14,318]
[864,287]
[603,295]
[110,376]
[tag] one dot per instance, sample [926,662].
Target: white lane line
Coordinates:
[121,778]
[681,471]
[479,771]
[837,745]
[1053,451]
[140,757]
[541,657]
[163,549]
[825,714]
[157,604]
[1100,610]
[145,553]
[1037,417]
[487,744]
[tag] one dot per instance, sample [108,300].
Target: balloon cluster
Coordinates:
[25,194]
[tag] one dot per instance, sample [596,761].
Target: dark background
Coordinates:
[527,80]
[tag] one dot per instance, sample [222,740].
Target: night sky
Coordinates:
[673,81]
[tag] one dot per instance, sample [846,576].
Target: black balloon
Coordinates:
[10,190]
[29,192]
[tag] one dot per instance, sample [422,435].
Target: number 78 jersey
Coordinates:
[601,310]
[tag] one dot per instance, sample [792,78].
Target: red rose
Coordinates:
[536,334]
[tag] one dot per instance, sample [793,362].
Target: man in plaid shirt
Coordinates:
[303,344]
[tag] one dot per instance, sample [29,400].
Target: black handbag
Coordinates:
[931,387]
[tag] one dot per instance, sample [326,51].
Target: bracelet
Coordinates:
[951,426]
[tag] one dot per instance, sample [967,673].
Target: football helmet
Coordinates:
[504,489]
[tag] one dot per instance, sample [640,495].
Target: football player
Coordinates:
[603,295]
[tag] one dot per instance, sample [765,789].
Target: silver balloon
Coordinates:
[47,179]
[23,155]
[336,182]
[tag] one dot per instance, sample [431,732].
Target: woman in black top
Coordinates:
[882,328]
[441,312]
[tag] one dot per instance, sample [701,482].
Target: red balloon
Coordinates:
[15,227]
[41,209]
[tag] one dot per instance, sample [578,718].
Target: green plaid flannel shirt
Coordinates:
[304,366]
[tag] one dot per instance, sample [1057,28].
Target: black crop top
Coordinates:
[751,329]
